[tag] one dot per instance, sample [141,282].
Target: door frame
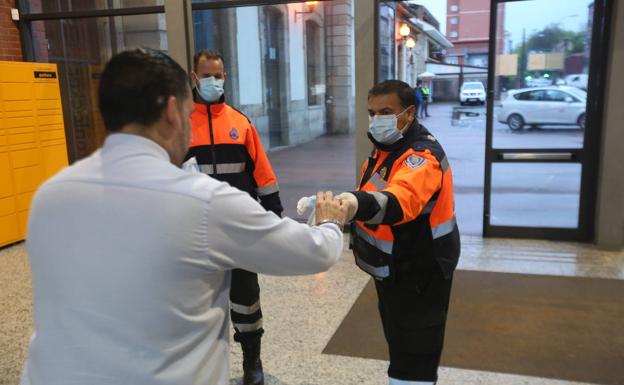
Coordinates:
[588,156]
[278,112]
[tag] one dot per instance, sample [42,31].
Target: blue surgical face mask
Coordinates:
[384,128]
[211,89]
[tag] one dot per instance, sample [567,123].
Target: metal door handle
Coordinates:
[536,156]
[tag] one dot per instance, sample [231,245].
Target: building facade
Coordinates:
[405,56]
[10,44]
[468,28]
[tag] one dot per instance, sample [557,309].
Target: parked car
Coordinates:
[577,80]
[472,92]
[543,106]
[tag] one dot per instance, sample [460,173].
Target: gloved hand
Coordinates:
[353,204]
[306,203]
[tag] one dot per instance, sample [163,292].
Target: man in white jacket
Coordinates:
[130,255]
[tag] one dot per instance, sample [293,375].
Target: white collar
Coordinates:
[133,144]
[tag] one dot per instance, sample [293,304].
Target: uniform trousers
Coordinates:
[413,312]
[245,311]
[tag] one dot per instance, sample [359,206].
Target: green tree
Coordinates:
[554,38]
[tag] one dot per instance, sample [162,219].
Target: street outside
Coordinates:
[533,194]
[522,194]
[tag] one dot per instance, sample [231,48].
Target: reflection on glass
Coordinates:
[80,48]
[386,41]
[43,6]
[541,74]
[535,195]
[290,70]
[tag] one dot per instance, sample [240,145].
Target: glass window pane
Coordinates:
[455,59]
[44,6]
[81,48]
[550,53]
[535,195]
[290,70]
[387,47]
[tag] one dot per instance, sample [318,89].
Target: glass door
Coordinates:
[543,120]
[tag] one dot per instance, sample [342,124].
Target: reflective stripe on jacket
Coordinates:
[406,214]
[228,147]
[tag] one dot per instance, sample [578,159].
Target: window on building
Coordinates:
[454,34]
[454,8]
[387,46]
[454,20]
[316,86]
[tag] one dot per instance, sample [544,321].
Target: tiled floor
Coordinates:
[302,313]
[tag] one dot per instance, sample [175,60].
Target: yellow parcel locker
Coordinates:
[32,140]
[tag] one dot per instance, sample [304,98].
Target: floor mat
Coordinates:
[545,326]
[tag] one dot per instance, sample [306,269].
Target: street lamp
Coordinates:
[311,5]
[405,30]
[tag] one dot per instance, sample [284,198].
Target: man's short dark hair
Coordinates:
[401,89]
[419,82]
[136,85]
[207,54]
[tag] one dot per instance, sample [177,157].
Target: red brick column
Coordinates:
[10,44]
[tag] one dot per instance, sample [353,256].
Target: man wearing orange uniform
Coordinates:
[404,232]
[227,147]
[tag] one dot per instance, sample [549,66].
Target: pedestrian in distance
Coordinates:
[426,92]
[420,100]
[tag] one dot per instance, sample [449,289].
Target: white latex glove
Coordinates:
[306,203]
[352,201]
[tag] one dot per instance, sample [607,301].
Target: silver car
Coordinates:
[543,106]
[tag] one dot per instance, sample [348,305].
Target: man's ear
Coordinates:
[194,78]
[172,112]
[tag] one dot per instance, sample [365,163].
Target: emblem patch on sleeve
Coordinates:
[414,161]
[234,133]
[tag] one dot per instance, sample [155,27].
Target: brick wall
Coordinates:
[10,44]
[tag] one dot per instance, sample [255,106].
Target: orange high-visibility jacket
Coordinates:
[405,222]
[227,147]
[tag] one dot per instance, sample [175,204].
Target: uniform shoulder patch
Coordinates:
[414,161]
[234,133]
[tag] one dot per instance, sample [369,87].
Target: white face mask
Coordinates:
[211,89]
[384,128]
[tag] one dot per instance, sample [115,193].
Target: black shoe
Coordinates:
[252,365]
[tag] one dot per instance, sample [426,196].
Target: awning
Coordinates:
[432,33]
[426,75]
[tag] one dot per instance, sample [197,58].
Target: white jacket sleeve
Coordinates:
[242,234]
